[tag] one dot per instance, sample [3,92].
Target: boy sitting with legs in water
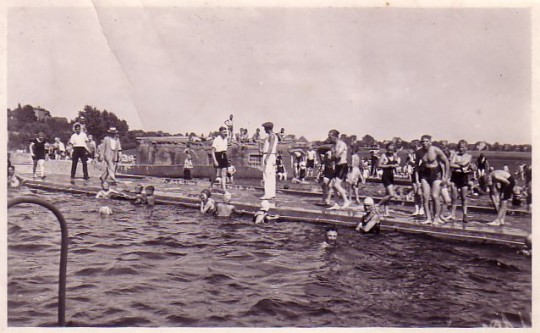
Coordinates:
[262,215]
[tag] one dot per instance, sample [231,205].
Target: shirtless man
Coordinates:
[340,157]
[460,164]
[506,183]
[310,161]
[430,175]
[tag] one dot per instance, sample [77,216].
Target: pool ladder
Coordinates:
[63,249]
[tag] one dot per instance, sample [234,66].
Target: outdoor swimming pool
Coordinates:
[173,267]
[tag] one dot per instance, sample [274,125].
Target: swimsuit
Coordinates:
[430,174]
[507,190]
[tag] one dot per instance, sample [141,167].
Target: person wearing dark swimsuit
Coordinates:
[388,163]
[430,175]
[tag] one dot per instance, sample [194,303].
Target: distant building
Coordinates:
[42,114]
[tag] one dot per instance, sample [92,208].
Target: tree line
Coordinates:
[24,122]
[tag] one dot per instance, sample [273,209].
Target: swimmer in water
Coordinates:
[139,196]
[150,198]
[262,215]
[105,210]
[432,169]
[208,205]
[225,209]
[13,180]
[330,238]
[371,220]
[106,192]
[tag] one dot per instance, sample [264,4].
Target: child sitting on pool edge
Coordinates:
[208,205]
[225,209]
[262,215]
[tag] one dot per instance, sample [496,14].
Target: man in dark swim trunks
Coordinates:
[430,175]
[339,150]
[388,163]
[219,157]
[506,184]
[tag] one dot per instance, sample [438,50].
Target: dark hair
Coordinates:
[206,192]
[426,136]
[150,187]
[328,229]
[334,132]
[221,128]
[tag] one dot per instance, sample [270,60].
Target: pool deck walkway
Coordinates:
[295,207]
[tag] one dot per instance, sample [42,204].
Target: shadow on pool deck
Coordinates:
[298,207]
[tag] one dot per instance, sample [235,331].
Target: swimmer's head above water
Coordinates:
[331,235]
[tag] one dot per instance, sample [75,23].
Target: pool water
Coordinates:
[170,266]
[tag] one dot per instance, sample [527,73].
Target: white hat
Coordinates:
[265,205]
[368,201]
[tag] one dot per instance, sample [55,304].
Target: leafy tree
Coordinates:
[25,114]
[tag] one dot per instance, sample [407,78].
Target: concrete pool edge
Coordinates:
[288,214]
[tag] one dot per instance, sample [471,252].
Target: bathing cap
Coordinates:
[105,210]
[368,201]
[227,196]
[265,205]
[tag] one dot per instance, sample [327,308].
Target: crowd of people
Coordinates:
[81,147]
[440,178]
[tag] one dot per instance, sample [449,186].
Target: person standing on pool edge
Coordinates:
[111,155]
[219,156]
[269,161]
[430,174]
[339,150]
[78,140]
[37,150]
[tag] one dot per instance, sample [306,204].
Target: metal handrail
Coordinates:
[63,250]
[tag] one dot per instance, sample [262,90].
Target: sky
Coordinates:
[389,72]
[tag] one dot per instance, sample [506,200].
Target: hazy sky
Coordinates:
[452,73]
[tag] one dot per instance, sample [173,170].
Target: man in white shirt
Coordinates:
[79,140]
[219,157]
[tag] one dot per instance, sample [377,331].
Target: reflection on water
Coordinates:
[174,267]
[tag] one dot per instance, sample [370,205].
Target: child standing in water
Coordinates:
[225,208]
[13,180]
[150,198]
[139,196]
[208,205]
[106,192]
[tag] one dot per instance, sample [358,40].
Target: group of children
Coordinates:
[226,209]
[370,221]
[138,197]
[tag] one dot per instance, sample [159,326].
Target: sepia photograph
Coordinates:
[191,164]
